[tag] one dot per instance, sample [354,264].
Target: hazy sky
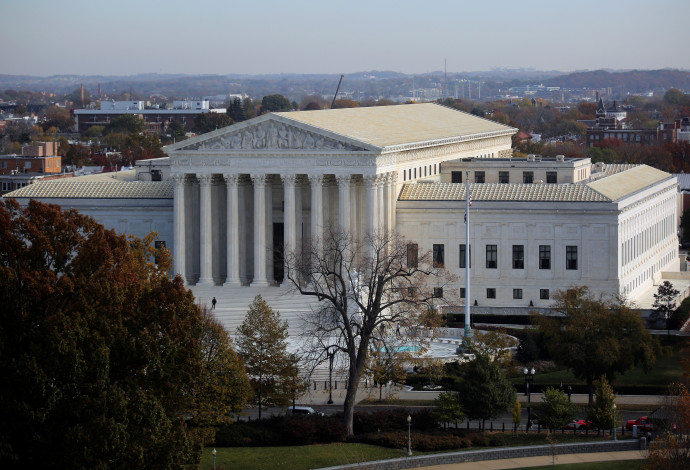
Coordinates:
[123,37]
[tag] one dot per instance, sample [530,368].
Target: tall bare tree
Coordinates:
[364,286]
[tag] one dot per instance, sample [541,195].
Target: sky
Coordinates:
[127,37]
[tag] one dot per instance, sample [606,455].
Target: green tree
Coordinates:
[484,390]
[249,108]
[261,342]
[207,122]
[596,336]
[555,410]
[275,103]
[516,414]
[448,408]
[496,345]
[94,131]
[665,303]
[125,124]
[601,412]
[99,346]
[236,111]
[222,386]
[387,363]
[176,130]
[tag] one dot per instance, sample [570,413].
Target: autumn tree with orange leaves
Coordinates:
[100,350]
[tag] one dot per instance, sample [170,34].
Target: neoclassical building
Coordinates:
[277,180]
[226,203]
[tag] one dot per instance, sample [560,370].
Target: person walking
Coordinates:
[213,303]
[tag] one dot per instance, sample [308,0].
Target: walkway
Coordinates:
[542,461]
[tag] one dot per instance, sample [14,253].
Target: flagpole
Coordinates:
[468,330]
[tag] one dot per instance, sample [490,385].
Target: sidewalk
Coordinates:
[542,461]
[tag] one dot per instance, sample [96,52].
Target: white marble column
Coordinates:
[259,230]
[299,191]
[380,199]
[392,200]
[316,208]
[290,213]
[205,231]
[270,274]
[180,226]
[344,203]
[233,230]
[372,204]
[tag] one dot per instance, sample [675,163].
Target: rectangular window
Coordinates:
[491,256]
[27,165]
[503,177]
[544,294]
[438,292]
[518,257]
[528,177]
[517,293]
[570,257]
[544,256]
[412,255]
[456,176]
[439,257]
[4,164]
[551,177]
[479,177]
[461,264]
[490,293]
[462,292]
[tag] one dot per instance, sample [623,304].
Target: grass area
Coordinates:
[297,458]
[316,456]
[666,370]
[624,465]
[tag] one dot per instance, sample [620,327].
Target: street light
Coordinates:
[529,379]
[330,374]
[214,452]
[615,437]
[409,435]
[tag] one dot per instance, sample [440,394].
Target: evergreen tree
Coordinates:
[262,343]
[665,303]
[555,410]
[601,411]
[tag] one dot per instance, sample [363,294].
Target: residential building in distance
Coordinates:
[36,162]
[157,119]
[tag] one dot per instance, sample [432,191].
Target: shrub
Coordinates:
[423,442]
[282,431]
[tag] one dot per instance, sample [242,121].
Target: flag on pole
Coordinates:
[470,199]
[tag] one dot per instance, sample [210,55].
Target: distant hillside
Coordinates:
[634,81]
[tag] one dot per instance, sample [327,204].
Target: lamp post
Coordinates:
[409,435]
[615,437]
[529,379]
[214,452]
[330,373]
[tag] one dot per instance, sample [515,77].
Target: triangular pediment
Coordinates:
[269,133]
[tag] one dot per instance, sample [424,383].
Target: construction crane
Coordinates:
[336,91]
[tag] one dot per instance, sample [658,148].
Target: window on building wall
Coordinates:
[491,256]
[435,168]
[528,177]
[412,255]
[491,293]
[415,173]
[551,177]
[4,164]
[462,257]
[544,294]
[544,256]
[424,171]
[462,292]
[504,177]
[439,255]
[456,176]
[479,176]
[571,257]
[438,292]
[518,257]
[517,293]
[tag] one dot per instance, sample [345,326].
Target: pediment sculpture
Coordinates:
[272,136]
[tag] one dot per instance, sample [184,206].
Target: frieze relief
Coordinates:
[272,136]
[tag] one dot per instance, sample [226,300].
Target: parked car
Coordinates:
[643,424]
[303,410]
[578,424]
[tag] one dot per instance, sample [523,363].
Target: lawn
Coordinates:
[297,458]
[317,456]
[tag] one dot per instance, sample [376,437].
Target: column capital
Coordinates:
[370,180]
[343,180]
[204,179]
[289,180]
[259,180]
[178,178]
[315,179]
[393,176]
[231,178]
